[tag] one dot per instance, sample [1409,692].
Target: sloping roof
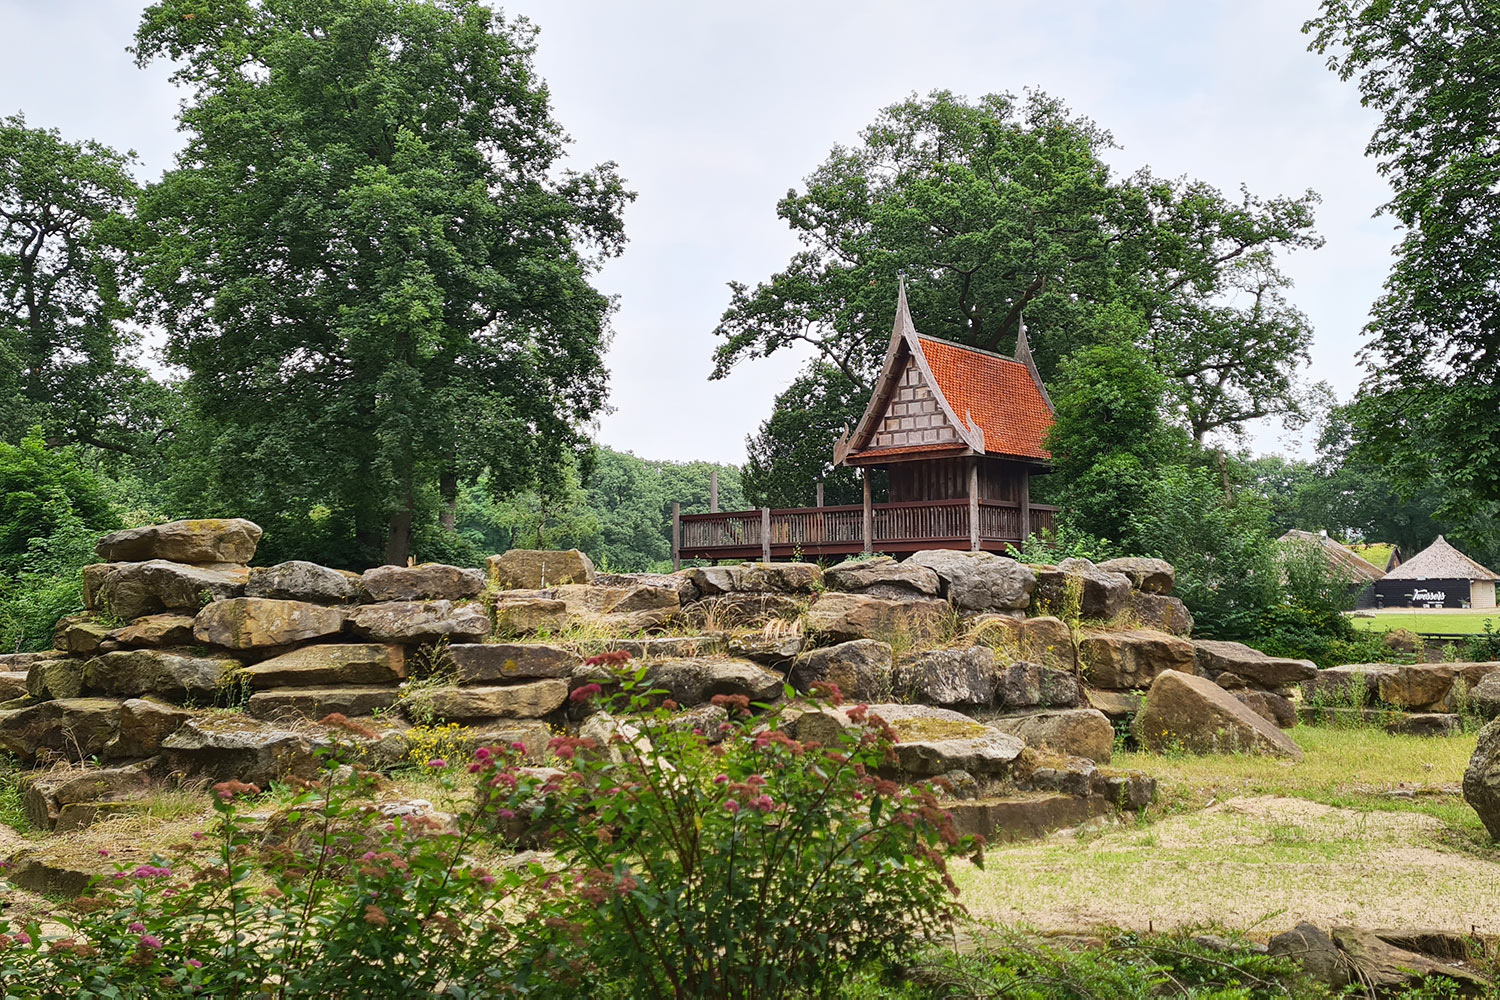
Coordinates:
[1440,561]
[997,405]
[1386,555]
[1340,557]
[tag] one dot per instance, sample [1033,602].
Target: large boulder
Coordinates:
[781,578]
[1482,778]
[840,617]
[1347,685]
[79,635]
[143,724]
[299,580]
[1419,686]
[12,685]
[1028,684]
[55,678]
[1194,713]
[1132,658]
[1484,697]
[208,540]
[1077,732]
[133,590]
[1046,640]
[524,614]
[420,621]
[526,700]
[486,663]
[427,582]
[260,622]
[1151,576]
[861,669]
[693,681]
[979,581]
[1159,611]
[535,569]
[1312,948]
[744,609]
[313,703]
[74,728]
[1215,657]
[50,792]
[239,748]
[883,576]
[680,581]
[948,677]
[330,663]
[177,674]
[1078,588]
[929,741]
[155,631]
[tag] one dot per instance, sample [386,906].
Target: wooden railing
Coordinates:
[816,531]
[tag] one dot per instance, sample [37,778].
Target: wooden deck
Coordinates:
[894,528]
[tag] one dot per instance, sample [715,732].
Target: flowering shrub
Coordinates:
[341,902]
[730,862]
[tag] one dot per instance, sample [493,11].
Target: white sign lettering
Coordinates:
[1429,595]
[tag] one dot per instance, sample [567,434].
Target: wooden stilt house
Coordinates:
[960,433]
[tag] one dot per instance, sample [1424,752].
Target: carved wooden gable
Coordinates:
[913,415]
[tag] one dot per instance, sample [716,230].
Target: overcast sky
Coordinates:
[713,110]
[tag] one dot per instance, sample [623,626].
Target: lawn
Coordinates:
[1369,829]
[1439,622]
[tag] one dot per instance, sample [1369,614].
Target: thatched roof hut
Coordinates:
[1439,576]
[1341,558]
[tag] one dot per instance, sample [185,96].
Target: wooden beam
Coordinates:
[819,494]
[713,492]
[869,521]
[676,537]
[974,505]
[765,534]
[1025,506]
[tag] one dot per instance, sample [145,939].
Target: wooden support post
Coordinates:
[713,492]
[1025,506]
[869,522]
[765,534]
[676,537]
[818,524]
[820,494]
[974,505]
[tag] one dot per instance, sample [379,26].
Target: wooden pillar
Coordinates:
[713,492]
[974,505]
[819,494]
[869,522]
[817,520]
[1025,504]
[676,537]
[765,534]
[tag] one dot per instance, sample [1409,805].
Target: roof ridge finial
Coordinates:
[903,325]
[1023,343]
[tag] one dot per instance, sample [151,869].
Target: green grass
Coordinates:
[1441,622]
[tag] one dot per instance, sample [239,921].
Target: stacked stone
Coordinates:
[1419,698]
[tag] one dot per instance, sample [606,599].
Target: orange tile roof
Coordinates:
[997,393]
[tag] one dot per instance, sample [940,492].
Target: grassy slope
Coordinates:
[1277,842]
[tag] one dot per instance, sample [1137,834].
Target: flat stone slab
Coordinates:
[259,622]
[428,581]
[420,621]
[330,663]
[930,741]
[156,631]
[314,703]
[1215,656]
[1194,713]
[479,663]
[300,580]
[693,681]
[176,674]
[206,540]
[676,646]
[526,700]
[1131,658]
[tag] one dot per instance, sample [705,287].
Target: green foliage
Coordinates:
[1485,646]
[1053,547]
[1430,408]
[756,866]
[400,298]
[1127,966]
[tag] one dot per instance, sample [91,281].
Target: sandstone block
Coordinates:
[744,610]
[330,663]
[883,576]
[1025,684]
[59,678]
[709,581]
[238,748]
[681,581]
[144,723]
[427,582]
[670,645]
[527,700]
[313,703]
[1269,706]
[1160,612]
[299,580]
[534,569]
[979,581]
[1418,686]
[78,635]
[1482,778]
[695,681]
[207,540]
[1078,587]
[1117,706]
[781,578]
[156,631]
[1131,658]
[768,648]
[504,661]
[48,793]
[73,728]
[528,615]
[1484,697]
[1151,576]
[948,677]
[176,674]
[841,617]
[1215,657]
[1046,640]
[420,621]
[861,669]
[1198,715]
[12,684]
[133,590]
[1078,732]
[258,622]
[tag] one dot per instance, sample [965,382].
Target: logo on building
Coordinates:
[1438,596]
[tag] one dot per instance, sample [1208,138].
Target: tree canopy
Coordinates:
[370,262]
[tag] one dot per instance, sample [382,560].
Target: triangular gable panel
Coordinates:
[914,415]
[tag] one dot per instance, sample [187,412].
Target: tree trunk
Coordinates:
[398,536]
[448,490]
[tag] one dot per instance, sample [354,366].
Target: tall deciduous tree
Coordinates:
[367,257]
[1430,408]
[65,347]
[1001,206]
